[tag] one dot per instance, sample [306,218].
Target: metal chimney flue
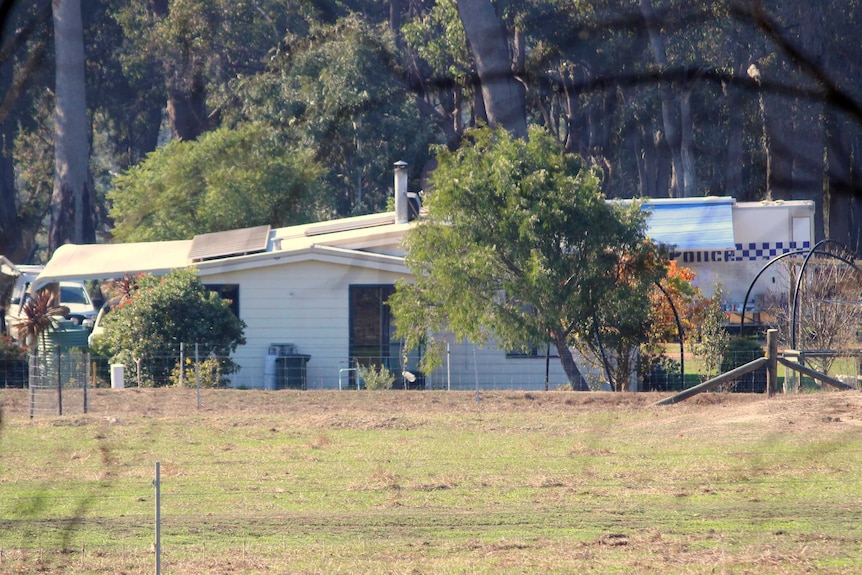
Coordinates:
[401,202]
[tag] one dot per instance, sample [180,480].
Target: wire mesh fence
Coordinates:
[59,379]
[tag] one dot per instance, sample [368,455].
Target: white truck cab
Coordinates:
[73,295]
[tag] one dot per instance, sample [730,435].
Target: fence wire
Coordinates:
[59,380]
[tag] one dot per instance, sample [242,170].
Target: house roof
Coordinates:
[365,241]
[371,241]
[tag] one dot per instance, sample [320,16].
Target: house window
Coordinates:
[229,292]
[372,332]
[533,351]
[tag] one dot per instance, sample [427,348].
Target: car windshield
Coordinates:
[72,294]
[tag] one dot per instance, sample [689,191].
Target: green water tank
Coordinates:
[66,335]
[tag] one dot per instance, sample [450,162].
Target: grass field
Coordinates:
[433,482]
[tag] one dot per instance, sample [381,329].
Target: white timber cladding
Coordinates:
[304,303]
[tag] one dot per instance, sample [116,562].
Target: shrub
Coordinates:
[208,372]
[660,373]
[11,350]
[376,377]
[164,312]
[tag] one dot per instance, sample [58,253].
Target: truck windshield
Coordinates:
[70,294]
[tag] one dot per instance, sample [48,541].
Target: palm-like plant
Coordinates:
[123,288]
[40,314]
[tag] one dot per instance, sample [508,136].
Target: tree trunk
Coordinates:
[502,94]
[668,107]
[635,143]
[844,164]
[479,112]
[735,102]
[395,23]
[686,148]
[778,126]
[733,160]
[576,380]
[843,202]
[10,226]
[71,210]
[809,138]
[187,111]
[795,124]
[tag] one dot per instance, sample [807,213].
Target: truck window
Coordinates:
[70,294]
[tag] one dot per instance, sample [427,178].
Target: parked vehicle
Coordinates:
[98,326]
[73,296]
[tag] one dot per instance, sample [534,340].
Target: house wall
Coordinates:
[303,303]
[307,304]
[490,366]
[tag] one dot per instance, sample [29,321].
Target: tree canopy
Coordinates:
[519,245]
[226,179]
[752,99]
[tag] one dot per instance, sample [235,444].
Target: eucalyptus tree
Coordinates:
[25,188]
[71,201]
[200,45]
[520,246]
[340,93]
[226,179]
[440,62]
[124,93]
[489,40]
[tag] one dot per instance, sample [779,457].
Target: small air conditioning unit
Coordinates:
[282,349]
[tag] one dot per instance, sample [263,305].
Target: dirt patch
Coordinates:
[385,408]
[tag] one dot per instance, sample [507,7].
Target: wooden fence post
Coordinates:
[771,362]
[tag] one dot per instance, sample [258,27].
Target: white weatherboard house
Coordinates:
[316,293]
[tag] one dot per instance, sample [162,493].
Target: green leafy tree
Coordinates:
[714,338]
[624,322]
[164,312]
[339,94]
[439,43]
[226,179]
[520,245]
[198,46]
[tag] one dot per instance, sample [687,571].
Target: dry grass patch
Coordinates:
[434,482]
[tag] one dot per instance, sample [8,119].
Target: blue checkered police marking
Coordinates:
[749,252]
[766,251]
